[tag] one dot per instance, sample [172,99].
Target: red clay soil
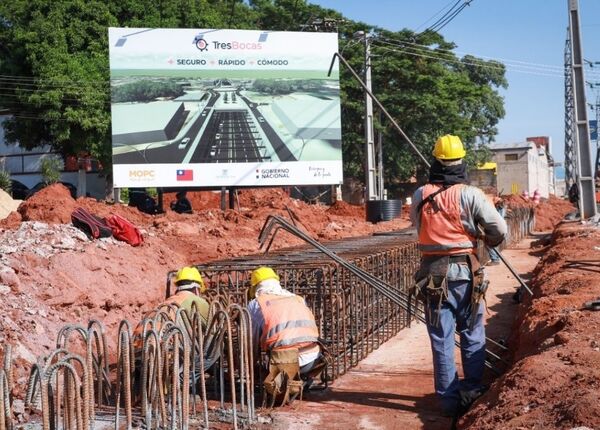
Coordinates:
[555,381]
[109,280]
[548,212]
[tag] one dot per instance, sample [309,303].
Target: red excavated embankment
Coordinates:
[548,212]
[555,381]
[51,274]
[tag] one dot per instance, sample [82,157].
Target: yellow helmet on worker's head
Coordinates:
[187,275]
[258,275]
[449,147]
[261,274]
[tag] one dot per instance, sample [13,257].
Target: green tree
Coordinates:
[51,167]
[54,63]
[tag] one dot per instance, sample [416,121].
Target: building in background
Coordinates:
[546,143]
[24,167]
[521,167]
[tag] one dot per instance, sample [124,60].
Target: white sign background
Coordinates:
[157,51]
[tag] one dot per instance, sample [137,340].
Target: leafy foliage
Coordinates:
[51,167]
[5,183]
[145,91]
[55,55]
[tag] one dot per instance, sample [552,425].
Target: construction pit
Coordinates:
[66,297]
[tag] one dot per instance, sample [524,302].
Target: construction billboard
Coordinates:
[224,108]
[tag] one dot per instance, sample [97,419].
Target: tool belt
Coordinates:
[283,381]
[431,283]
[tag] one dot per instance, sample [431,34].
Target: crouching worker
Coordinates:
[189,286]
[448,215]
[284,328]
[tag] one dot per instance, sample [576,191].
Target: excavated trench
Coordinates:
[386,383]
[354,320]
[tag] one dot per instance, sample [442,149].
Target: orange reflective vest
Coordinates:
[441,230]
[288,322]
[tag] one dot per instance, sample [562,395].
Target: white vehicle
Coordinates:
[218,136]
[261,119]
[213,151]
[184,142]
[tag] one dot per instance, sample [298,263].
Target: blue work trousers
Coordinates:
[455,314]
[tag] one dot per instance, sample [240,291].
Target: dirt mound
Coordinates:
[516,201]
[200,200]
[52,204]
[342,208]
[264,197]
[556,344]
[550,212]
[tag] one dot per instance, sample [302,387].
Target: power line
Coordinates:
[436,14]
[451,55]
[459,62]
[451,17]
[448,16]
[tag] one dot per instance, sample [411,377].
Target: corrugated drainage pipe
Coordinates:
[383,210]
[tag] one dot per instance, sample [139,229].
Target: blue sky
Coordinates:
[528,31]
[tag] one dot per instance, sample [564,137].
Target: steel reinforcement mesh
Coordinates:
[352,317]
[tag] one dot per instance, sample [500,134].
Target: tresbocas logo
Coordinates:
[142,175]
[235,45]
[200,43]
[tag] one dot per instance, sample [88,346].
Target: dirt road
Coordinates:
[393,387]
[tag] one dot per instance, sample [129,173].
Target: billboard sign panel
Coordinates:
[224,108]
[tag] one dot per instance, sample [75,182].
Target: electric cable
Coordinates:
[453,59]
[443,17]
[451,17]
[508,62]
[435,15]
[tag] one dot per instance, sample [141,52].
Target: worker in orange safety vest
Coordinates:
[281,319]
[448,215]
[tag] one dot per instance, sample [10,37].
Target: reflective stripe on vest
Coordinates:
[442,232]
[288,322]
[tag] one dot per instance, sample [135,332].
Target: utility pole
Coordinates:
[570,157]
[373,177]
[597,164]
[585,177]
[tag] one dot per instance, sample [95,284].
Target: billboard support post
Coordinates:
[231,198]
[223,198]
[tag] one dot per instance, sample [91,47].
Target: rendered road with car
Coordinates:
[230,135]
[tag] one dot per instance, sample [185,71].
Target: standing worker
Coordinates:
[448,214]
[284,328]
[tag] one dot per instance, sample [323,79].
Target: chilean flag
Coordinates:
[185,175]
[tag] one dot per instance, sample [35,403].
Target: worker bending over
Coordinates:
[189,285]
[284,328]
[448,214]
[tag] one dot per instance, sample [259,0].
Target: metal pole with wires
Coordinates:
[372,174]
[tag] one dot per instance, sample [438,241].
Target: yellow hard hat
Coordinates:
[262,273]
[190,273]
[449,147]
